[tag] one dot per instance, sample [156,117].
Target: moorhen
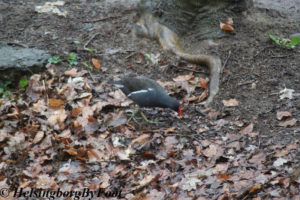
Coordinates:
[146,92]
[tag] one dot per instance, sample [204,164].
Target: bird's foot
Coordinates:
[132,117]
[147,120]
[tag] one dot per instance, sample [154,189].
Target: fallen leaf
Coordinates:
[96,63]
[281,153]
[44,181]
[94,155]
[192,99]
[203,83]
[254,188]
[228,21]
[248,129]
[3,134]
[72,152]
[38,137]
[285,182]
[76,111]
[213,151]
[280,115]
[223,177]
[230,103]
[141,139]
[170,130]
[148,155]
[226,27]
[116,119]
[286,93]
[279,162]
[57,117]
[183,78]
[258,158]
[55,103]
[288,123]
[71,73]
[146,180]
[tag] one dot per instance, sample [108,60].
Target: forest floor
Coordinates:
[69,130]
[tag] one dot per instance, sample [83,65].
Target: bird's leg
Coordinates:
[146,119]
[132,117]
[144,116]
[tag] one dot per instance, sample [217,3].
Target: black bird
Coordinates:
[146,93]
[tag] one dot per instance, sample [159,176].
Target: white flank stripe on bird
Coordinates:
[140,91]
[119,85]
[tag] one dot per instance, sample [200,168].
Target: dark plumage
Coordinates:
[146,93]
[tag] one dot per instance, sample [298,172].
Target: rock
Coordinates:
[16,61]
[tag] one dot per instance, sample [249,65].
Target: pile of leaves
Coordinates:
[69,132]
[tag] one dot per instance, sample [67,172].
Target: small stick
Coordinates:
[87,43]
[192,70]
[225,63]
[102,19]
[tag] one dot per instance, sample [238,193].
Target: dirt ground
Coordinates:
[255,69]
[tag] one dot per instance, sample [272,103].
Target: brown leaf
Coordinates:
[14,114]
[281,153]
[71,73]
[170,130]
[254,188]
[203,83]
[280,115]
[76,111]
[116,119]
[223,177]
[183,78]
[56,103]
[285,182]
[213,151]
[57,117]
[192,99]
[146,180]
[141,139]
[228,21]
[72,152]
[148,155]
[44,181]
[96,63]
[38,137]
[230,103]
[253,134]
[226,27]
[258,158]
[288,123]
[95,155]
[247,130]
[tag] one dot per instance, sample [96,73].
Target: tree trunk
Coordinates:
[196,16]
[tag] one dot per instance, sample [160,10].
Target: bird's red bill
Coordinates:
[179,111]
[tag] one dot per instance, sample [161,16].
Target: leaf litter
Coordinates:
[69,130]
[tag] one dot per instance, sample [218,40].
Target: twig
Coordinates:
[225,63]
[17,44]
[246,83]
[87,43]
[91,76]
[188,69]
[102,19]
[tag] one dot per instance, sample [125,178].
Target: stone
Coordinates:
[17,61]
